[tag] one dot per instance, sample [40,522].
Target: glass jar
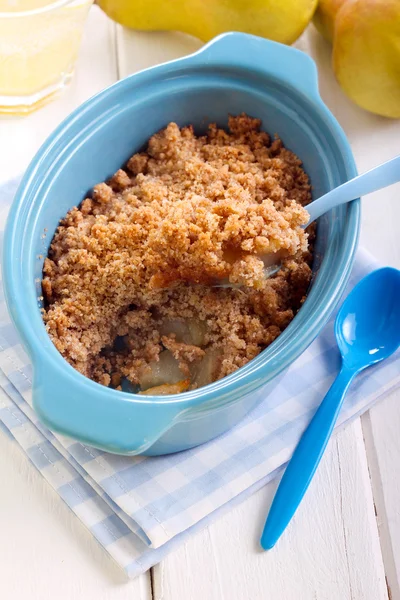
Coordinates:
[39,44]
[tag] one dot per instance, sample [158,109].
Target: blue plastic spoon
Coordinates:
[377,178]
[367,330]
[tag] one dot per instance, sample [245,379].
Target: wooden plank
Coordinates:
[45,551]
[139,50]
[381,432]
[381,425]
[330,550]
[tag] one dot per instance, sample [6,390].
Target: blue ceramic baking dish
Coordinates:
[233,73]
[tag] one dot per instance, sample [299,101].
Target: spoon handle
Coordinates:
[305,460]
[375,179]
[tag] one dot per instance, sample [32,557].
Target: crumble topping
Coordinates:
[129,275]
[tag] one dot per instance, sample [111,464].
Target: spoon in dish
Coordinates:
[367,330]
[376,179]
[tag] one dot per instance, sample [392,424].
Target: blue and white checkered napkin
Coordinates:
[140,508]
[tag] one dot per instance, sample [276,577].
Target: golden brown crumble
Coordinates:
[128,277]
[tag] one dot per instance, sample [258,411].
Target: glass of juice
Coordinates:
[39,43]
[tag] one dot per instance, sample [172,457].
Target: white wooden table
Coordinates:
[344,542]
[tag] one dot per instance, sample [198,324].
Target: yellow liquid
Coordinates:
[38,50]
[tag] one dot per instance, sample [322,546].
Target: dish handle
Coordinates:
[285,63]
[67,402]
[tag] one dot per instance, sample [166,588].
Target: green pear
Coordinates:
[366,50]
[279,20]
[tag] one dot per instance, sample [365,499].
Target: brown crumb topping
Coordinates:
[127,280]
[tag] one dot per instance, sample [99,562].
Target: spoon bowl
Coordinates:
[367,327]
